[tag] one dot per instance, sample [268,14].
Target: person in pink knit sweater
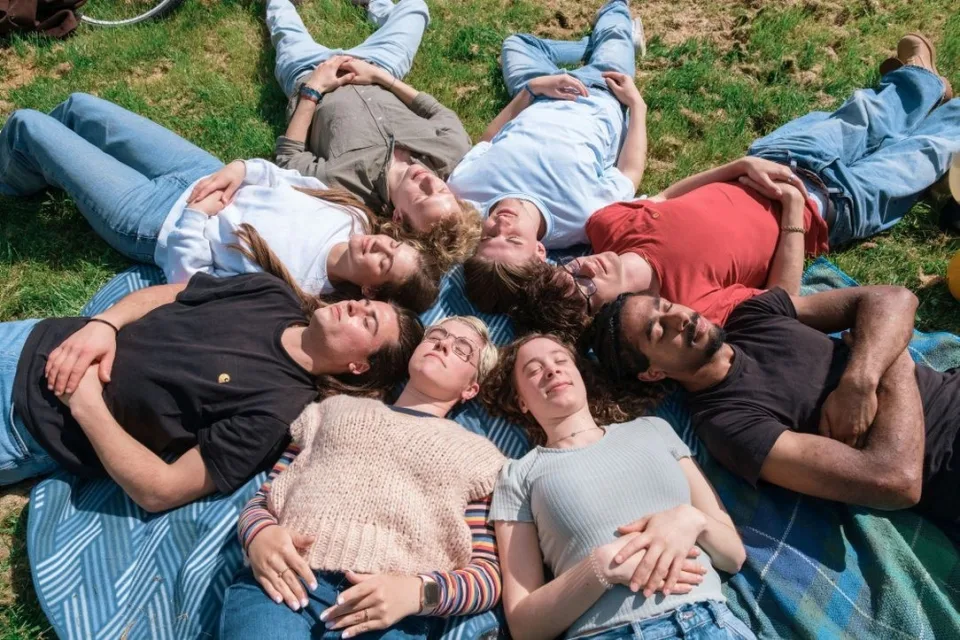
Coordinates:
[375,520]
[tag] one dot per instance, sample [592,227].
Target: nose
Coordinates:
[351,308]
[677,319]
[588,268]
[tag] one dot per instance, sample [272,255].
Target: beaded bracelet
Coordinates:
[106,322]
[595,563]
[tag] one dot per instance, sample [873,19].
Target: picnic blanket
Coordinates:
[103,568]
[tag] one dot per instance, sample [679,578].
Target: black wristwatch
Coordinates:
[429,595]
[311,94]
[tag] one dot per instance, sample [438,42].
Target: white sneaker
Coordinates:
[639,41]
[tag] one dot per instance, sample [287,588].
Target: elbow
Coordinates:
[899,489]
[733,561]
[155,501]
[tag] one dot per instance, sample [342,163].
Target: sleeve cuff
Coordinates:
[255,172]
[425,105]
[287,146]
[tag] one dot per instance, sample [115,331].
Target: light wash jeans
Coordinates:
[123,171]
[249,614]
[21,457]
[877,153]
[701,621]
[392,46]
[609,47]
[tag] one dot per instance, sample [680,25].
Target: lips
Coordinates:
[557,386]
[337,313]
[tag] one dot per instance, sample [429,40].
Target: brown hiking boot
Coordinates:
[915,50]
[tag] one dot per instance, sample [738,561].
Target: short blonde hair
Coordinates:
[489,354]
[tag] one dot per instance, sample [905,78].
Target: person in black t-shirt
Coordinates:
[210,373]
[775,398]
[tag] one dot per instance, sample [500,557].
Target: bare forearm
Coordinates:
[299,125]
[131,465]
[723,173]
[550,610]
[633,156]
[722,542]
[882,331]
[399,88]
[885,474]
[520,102]
[139,303]
[787,266]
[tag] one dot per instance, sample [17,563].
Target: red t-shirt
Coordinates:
[711,248]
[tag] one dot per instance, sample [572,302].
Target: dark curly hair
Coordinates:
[499,392]
[550,303]
[620,361]
[497,287]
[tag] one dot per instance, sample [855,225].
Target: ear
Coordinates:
[397,215]
[541,252]
[651,375]
[470,392]
[358,368]
[522,405]
[369,292]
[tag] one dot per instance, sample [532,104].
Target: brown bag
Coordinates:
[56,18]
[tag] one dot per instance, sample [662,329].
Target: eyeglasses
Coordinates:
[585,285]
[463,348]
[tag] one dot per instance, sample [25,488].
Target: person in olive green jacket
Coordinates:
[355,124]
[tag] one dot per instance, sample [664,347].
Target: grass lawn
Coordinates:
[717,75]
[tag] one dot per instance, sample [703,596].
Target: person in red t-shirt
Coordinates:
[710,242]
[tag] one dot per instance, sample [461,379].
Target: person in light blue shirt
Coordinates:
[560,150]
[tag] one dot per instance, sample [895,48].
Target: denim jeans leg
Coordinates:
[125,207]
[21,457]
[248,613]
[525,57]
[297,52]
[870,119]
[394,44]
[610,45]
[884,185]
[138,142]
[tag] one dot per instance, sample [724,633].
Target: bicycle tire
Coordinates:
[162,8]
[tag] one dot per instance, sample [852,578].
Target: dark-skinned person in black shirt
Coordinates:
[179,391]
[775,398]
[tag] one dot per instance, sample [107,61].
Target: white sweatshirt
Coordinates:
[299,228]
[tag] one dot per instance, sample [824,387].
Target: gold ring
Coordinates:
[366,616]
[280,574]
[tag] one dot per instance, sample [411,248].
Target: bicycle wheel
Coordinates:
[119,13]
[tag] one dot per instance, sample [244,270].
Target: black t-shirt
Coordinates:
[207,369]
[781,375]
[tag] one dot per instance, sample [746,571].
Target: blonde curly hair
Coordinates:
[448,242]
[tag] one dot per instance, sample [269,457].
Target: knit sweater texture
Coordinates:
[382,491]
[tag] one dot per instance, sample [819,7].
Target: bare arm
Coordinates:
[536,610]
[885,474]
[148,480]
[767,178]
[786,269]
[300,123]
[633,154]
[719,537]
[882,318]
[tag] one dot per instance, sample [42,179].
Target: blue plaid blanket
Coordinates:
[103,568]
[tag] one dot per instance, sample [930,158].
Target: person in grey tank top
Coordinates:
[620,513]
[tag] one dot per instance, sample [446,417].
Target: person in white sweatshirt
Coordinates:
[157,198]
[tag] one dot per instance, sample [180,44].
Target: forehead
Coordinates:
[500,249]
[389,323]
[538,348]
[459,329]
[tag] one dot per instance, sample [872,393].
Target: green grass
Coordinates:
[207,73]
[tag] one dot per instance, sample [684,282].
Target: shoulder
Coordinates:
[775,302]
[203,287]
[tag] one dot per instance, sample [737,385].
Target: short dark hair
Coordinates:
[497,287]
[620,360]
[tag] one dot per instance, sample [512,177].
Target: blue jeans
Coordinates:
[123,171]
[702,621]
[392,46]
[608,48]
[877,153]
[21,457]
[249,614]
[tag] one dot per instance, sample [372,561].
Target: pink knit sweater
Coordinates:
[383,491]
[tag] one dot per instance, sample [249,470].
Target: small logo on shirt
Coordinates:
[223,378]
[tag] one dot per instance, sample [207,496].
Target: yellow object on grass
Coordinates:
[955,177]
[953,275]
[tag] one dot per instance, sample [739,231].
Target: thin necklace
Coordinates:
[575,433]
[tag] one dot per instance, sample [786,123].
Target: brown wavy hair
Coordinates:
[499,392]
[549,302]
[387,365]
[449,241]
[498,287]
